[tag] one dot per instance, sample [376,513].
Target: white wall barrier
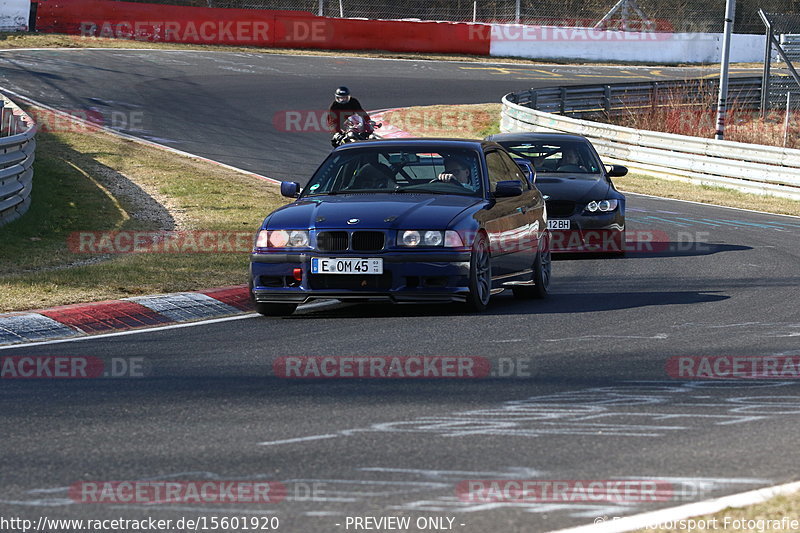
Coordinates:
[588,44]
[746,167]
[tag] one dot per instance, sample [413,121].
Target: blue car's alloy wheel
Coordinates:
[480,275]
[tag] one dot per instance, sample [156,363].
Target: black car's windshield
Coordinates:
[560,157]
[391,170]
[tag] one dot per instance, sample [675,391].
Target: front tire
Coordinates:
[480,275]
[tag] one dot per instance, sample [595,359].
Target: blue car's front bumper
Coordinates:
[418,276]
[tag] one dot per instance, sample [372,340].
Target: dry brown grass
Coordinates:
[696,115]
[474,121]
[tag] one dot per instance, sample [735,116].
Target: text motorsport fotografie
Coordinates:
[399,523]
[729,523]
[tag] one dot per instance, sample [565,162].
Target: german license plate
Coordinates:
[558,224]
[346,265]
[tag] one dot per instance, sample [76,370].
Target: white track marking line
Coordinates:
[649,519]
[298,439]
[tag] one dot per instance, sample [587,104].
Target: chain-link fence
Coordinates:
[635,15]
[781,61]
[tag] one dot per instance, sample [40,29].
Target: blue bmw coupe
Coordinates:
[406,220]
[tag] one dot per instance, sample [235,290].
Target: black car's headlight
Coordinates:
[282,239]
[602,206]
[424,238]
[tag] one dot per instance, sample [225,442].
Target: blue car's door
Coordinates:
[512,221]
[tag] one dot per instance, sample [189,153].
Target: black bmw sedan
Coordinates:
[585,211]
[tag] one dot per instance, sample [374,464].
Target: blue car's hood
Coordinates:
[576,189]
[376,211]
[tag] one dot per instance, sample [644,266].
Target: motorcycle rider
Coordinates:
[344,105]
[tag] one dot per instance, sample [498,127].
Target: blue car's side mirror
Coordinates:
[505,189]
[290,189]
[617,171]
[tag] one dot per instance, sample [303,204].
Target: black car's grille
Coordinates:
[332,241]
[367,241]
[560,208]
[351,282]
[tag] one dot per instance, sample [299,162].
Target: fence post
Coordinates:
[786,118]
[767,60]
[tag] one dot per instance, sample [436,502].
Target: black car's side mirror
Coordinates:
[290,189]
[617,171]
[506,189]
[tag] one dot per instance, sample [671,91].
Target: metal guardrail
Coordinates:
[585,101]
[17,152]
[746,167]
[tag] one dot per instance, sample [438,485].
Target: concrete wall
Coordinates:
[543,42]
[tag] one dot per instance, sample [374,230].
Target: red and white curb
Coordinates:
[121,315]
[387,131]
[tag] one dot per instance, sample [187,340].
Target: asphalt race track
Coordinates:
[591,396]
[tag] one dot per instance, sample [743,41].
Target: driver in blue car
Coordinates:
[456,170]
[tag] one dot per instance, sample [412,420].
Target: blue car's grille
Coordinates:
[367,241]
[332,241]
[358,241]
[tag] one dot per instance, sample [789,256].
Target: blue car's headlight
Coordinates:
[603,206]
[416,238]
[282,239]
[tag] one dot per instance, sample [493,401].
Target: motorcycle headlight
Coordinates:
[603,206]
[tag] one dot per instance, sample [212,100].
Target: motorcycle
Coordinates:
[355,129]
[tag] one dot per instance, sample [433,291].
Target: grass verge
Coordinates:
[478,121]
[89,181]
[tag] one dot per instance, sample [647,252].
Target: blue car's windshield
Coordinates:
[567,157]
[392,170]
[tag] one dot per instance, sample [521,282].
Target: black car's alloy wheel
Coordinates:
[480,275]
